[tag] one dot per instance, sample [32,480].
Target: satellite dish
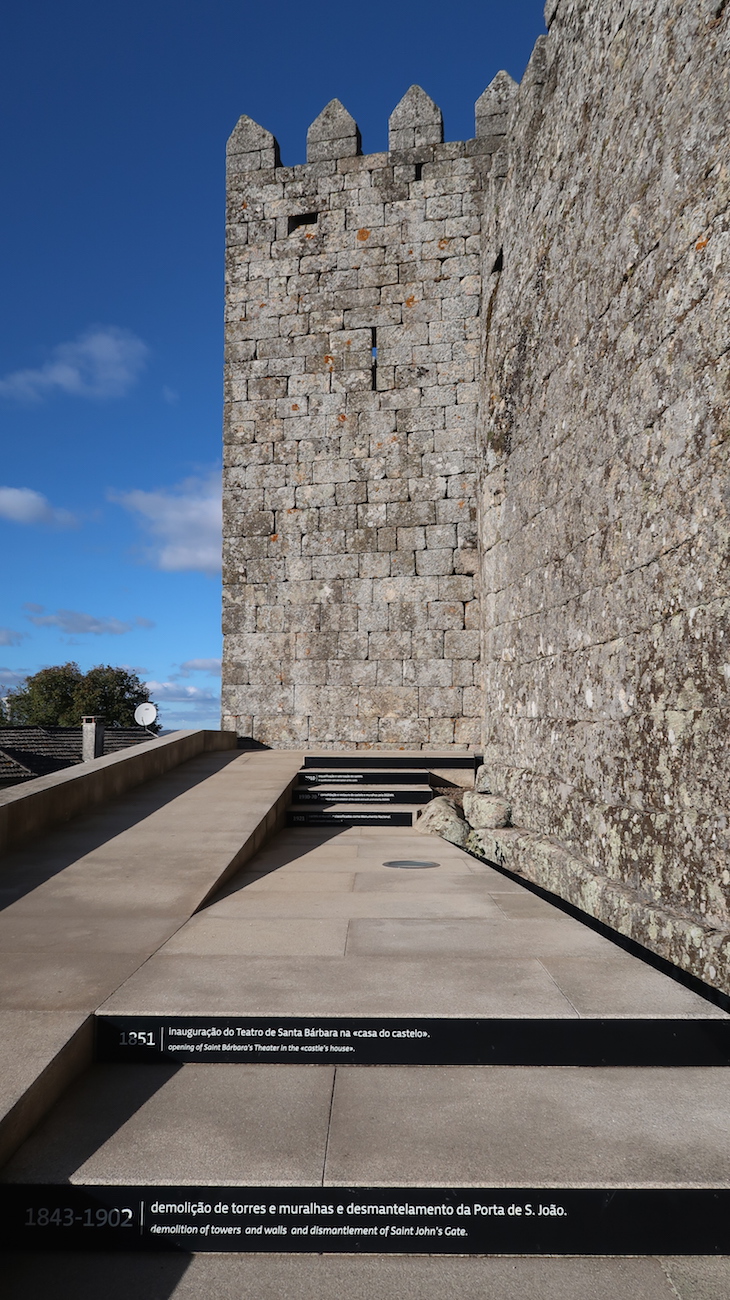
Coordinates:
[145,714]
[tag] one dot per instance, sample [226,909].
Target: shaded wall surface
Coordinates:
[604,434]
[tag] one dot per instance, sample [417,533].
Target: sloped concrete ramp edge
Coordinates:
[89,903]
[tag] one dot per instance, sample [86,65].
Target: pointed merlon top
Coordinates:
[250,147]
[334,134]
[416,120]
[493,108]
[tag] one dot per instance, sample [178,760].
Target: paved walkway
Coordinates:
[347,924]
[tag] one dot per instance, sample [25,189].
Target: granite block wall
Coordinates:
[353,325]
[604,437]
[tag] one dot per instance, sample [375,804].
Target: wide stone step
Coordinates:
[449,1159]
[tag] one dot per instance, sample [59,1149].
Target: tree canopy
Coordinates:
[61,696]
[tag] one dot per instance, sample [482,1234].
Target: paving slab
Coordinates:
[486,938]
[397,1126]
[327,986]
[219,936]
[351,1277]
[624,987]
[530,1126]
[285,901]
[237,1124]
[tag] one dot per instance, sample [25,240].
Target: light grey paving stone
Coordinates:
[700,1277]
[341,1277]
[418,881]
[461,986]
[66,981]
[199,1123]
[331,903]
[530,1126]
[488,938]
[268,938]
[520,906]
[68,931]
[297,882]
[628,987]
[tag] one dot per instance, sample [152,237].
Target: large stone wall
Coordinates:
[353,331]
[605,430]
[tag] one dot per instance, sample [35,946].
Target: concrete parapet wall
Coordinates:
[38,805]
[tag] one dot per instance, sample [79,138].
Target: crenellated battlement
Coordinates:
[415,127]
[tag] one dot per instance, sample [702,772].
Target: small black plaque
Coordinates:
[314,1040]
[373,1220]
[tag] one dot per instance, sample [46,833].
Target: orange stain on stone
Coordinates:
[444,242]
[363,235]
[274,537]
[701,243]
[295,406]
[410,301]
[342,418]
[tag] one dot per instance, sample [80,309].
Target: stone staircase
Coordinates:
[368,1045]
[366,790]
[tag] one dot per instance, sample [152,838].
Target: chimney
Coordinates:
[92,739]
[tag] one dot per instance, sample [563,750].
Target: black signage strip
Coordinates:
[374,1220]
[359,1041]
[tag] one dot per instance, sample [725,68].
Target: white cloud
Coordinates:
[103,362]
[178,694]
[11,677]
[212,666]
[184,521]
[24,506]
[9,637]
[73,622]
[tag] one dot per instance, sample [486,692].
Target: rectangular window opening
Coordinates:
[374,357]
[419,172]
[302,219]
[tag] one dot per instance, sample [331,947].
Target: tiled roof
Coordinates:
[26,752]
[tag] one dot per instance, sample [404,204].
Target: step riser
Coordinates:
[349,819]
[375,1220]
[468,762]
[297,1040]
[408,776]
[361,796]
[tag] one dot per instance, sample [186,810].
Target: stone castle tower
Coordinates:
[353,318]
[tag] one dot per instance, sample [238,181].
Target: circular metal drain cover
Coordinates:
[410,862]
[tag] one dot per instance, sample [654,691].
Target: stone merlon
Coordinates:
[334,134]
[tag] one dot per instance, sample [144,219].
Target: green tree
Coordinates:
[46,699]
[112,694]
[63,695]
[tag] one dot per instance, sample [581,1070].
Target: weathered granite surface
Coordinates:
[352,319]
[604,446]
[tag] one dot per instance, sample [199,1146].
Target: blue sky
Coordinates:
[114,124]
